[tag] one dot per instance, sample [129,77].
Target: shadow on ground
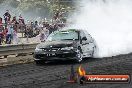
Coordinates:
[67,62]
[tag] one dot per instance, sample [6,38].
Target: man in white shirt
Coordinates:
[9,36]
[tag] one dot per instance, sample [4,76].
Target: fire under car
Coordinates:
[71,44]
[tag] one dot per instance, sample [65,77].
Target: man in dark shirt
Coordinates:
[7,16]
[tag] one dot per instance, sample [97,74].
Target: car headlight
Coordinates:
[67,48]
[38,49]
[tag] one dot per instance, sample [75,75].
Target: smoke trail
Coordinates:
[109,22]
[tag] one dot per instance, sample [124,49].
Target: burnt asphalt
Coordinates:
[56,74]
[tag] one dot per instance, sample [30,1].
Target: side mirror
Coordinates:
[84,38]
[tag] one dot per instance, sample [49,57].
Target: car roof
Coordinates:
[77,30]
[70,30]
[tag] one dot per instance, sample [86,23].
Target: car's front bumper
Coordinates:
[60,55]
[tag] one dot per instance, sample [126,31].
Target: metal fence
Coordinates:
[17,49]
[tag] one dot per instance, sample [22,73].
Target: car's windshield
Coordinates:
[63,35]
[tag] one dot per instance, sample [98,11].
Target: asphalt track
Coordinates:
[56,74]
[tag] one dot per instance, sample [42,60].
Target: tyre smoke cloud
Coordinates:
[110,24]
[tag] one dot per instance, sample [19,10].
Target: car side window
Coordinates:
[82,34]
[88,36]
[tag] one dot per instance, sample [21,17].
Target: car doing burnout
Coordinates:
[68,44]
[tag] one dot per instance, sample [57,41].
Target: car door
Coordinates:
[87,44]
[90,46]
[84,44]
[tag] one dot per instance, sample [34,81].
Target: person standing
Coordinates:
[15,37]
[9,36]
[1,31]
[1,34]
[42,35]
[21,25]
[0,21]
[21,20]
[7,16]
[36,29]
[14,21]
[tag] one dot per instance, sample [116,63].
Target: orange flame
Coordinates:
[81,71]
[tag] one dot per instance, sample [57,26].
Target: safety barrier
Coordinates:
[17,49]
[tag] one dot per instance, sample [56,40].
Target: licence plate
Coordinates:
[51,54]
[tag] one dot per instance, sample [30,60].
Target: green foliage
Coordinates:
[40,6]
[1,1]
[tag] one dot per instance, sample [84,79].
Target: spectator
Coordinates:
[7,16]
[14,20]
[15,23]
[36,28]
[46,33]
[36,24]
[9,35]
[32,25]
[42,29]
[43,34]
[0,21]
[4,35]
[15,37]
[21,25]
[51,28]
[1,35]
[21,20]
[1,31]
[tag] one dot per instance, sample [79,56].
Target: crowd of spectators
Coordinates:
[11,26]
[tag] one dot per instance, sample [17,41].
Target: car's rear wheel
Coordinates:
[79,56]
[93,52]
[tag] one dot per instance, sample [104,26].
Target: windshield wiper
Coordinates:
[67,39]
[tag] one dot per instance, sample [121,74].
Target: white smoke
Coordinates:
[110,24]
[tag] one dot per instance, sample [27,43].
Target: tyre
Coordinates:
[82,80]
[93,52]
[79,55]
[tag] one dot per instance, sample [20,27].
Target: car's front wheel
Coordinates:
[79,56]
